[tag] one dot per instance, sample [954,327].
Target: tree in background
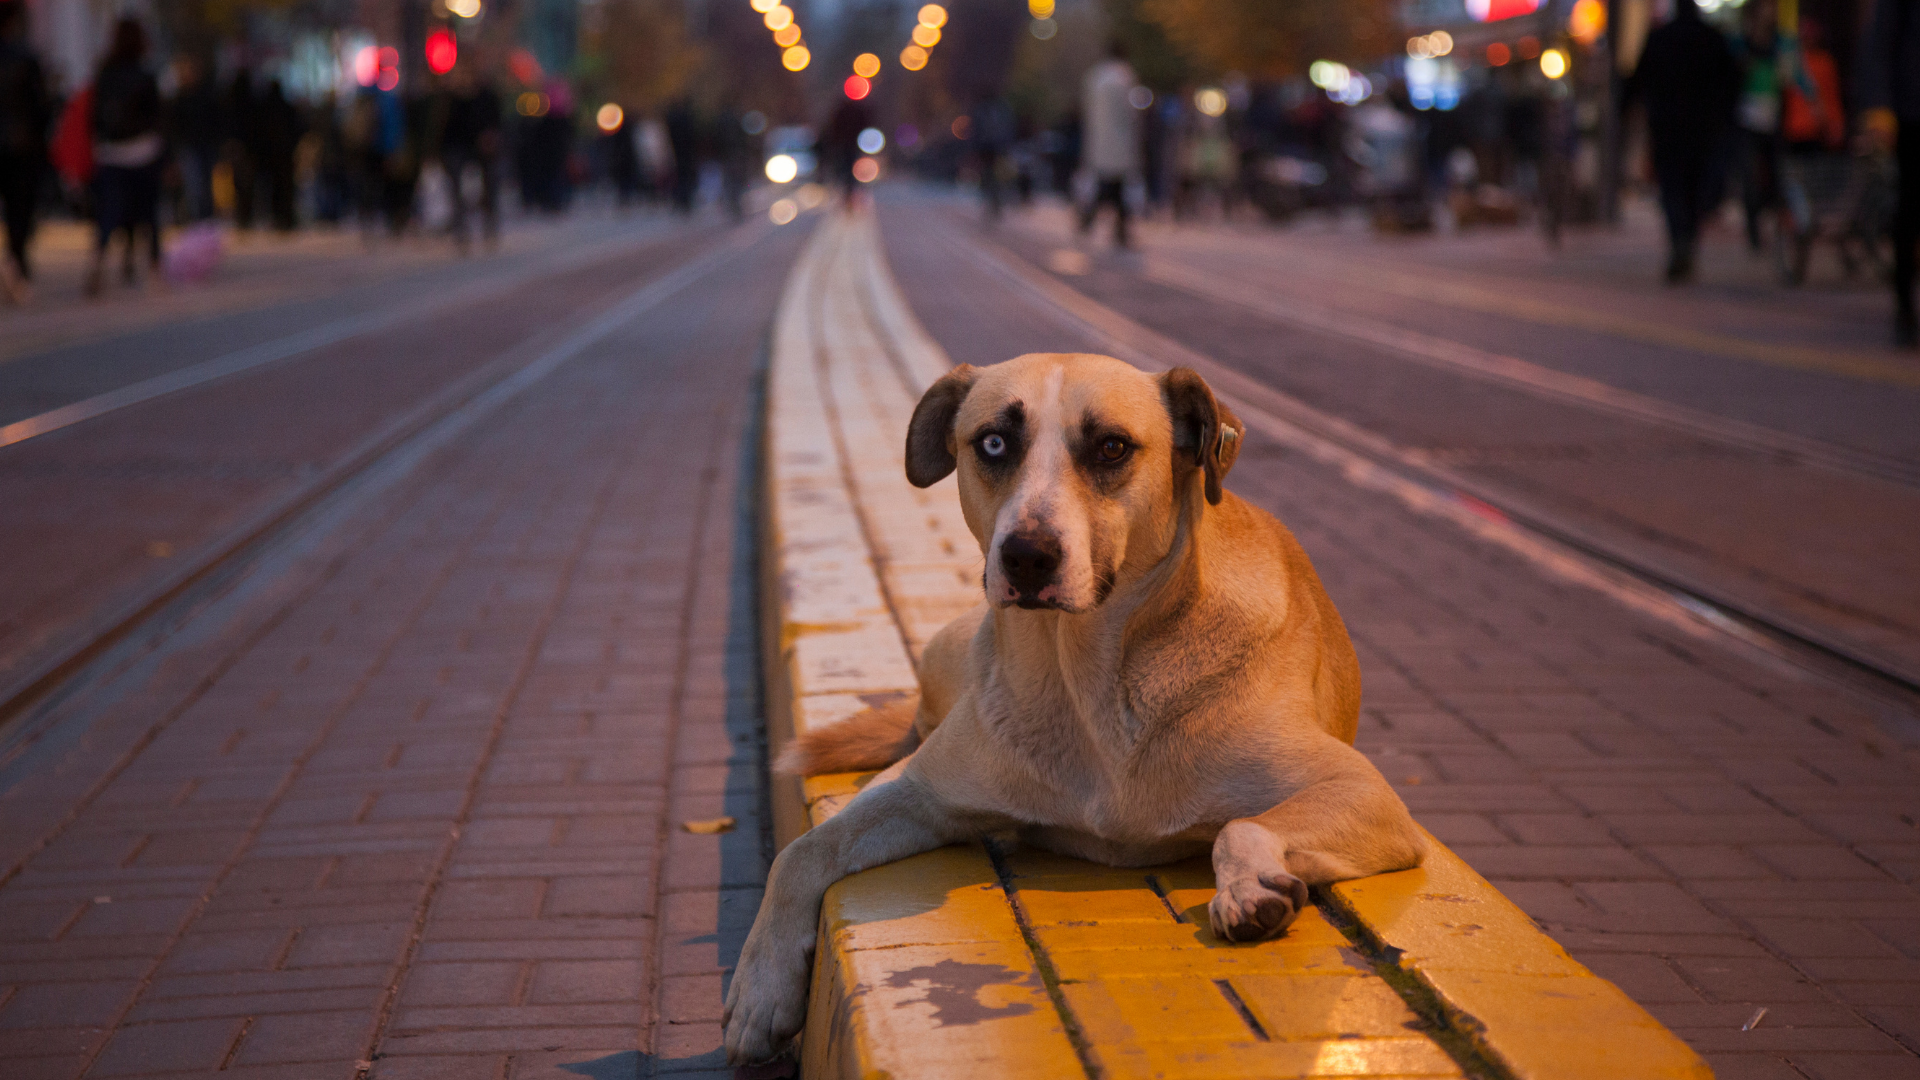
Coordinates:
[638,53]
[1267,40]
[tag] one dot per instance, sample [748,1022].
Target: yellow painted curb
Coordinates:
[970,962]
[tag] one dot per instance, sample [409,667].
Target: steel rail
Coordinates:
[30,701]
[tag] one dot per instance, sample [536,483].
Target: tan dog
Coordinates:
[1156,671]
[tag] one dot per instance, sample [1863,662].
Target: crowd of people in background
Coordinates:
[143,151]
[1752,112]
[1749,115]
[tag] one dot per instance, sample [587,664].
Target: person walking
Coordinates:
[24,118]
[1111,150]
[839,145]
[1889,84]
[277,130]
[472,138]
[127,151]
[195,130]
[1690,83]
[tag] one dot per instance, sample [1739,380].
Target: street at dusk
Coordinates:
[462,472]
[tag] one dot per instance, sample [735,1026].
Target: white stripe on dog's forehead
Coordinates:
[1050,388]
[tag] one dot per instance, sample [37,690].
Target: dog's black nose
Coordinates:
[1029,561]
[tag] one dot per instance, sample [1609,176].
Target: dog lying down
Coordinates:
[1155,672]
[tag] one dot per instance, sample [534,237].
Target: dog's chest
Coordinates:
[1085,768]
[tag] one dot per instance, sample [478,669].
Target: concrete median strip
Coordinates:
[989,961]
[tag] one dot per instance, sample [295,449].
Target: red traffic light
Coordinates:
[442,51]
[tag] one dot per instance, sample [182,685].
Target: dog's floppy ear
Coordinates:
[930,432]
[1205,432]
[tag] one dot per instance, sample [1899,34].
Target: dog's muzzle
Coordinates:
[1031,563]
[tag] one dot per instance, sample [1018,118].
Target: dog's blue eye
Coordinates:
[993,446]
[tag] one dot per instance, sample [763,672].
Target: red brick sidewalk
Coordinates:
[413,808]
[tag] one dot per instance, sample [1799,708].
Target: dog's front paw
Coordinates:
[765,1006]
[1257,908]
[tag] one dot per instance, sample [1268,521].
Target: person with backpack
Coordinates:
[127,152]
[24,118]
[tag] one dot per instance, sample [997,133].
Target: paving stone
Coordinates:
[336,818]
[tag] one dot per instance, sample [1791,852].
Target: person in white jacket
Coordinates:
[1111,147]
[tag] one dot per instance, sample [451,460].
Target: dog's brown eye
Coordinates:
[1112,450]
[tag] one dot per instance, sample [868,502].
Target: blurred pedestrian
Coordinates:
[1690,84]
[1890,94]
[333,164]
[1759,114]
[127,152]
[24,117]
[276,135]
[994,130]
[196,131]
[1111,146]
[840,144]
[683,134]
[470,141]
[546,150]
[734,148]
[242,131]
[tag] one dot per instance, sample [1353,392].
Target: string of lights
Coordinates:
[779,18]
[926,34]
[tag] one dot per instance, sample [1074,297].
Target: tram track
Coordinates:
[31,700]
[1563,547]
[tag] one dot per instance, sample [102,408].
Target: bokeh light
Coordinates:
[788,36]
[811,195]
[1040,9]
[610,117]
[782,168]
[926,36]
[933,15]
[866,65]
[779,18]
[796,58]
[856,87]
[764,6]
[913,58]
[466,9]
[442,51]
[1495,10]
[1498,54]
[1427,46]
[1044,29]
[366,66]
[1528,47]
[1211,101]
[1588,21]
[871,141]
[866,170]
[754,122]
[1140,97]
[962,127]
[1553,63]
[783,211]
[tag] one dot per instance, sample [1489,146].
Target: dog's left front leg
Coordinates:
[767,1001]
[1348,824]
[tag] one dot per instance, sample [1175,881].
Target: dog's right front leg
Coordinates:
[767,1001]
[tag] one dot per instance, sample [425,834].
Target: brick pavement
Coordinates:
[105,509]
[413,811]
[1714,834]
